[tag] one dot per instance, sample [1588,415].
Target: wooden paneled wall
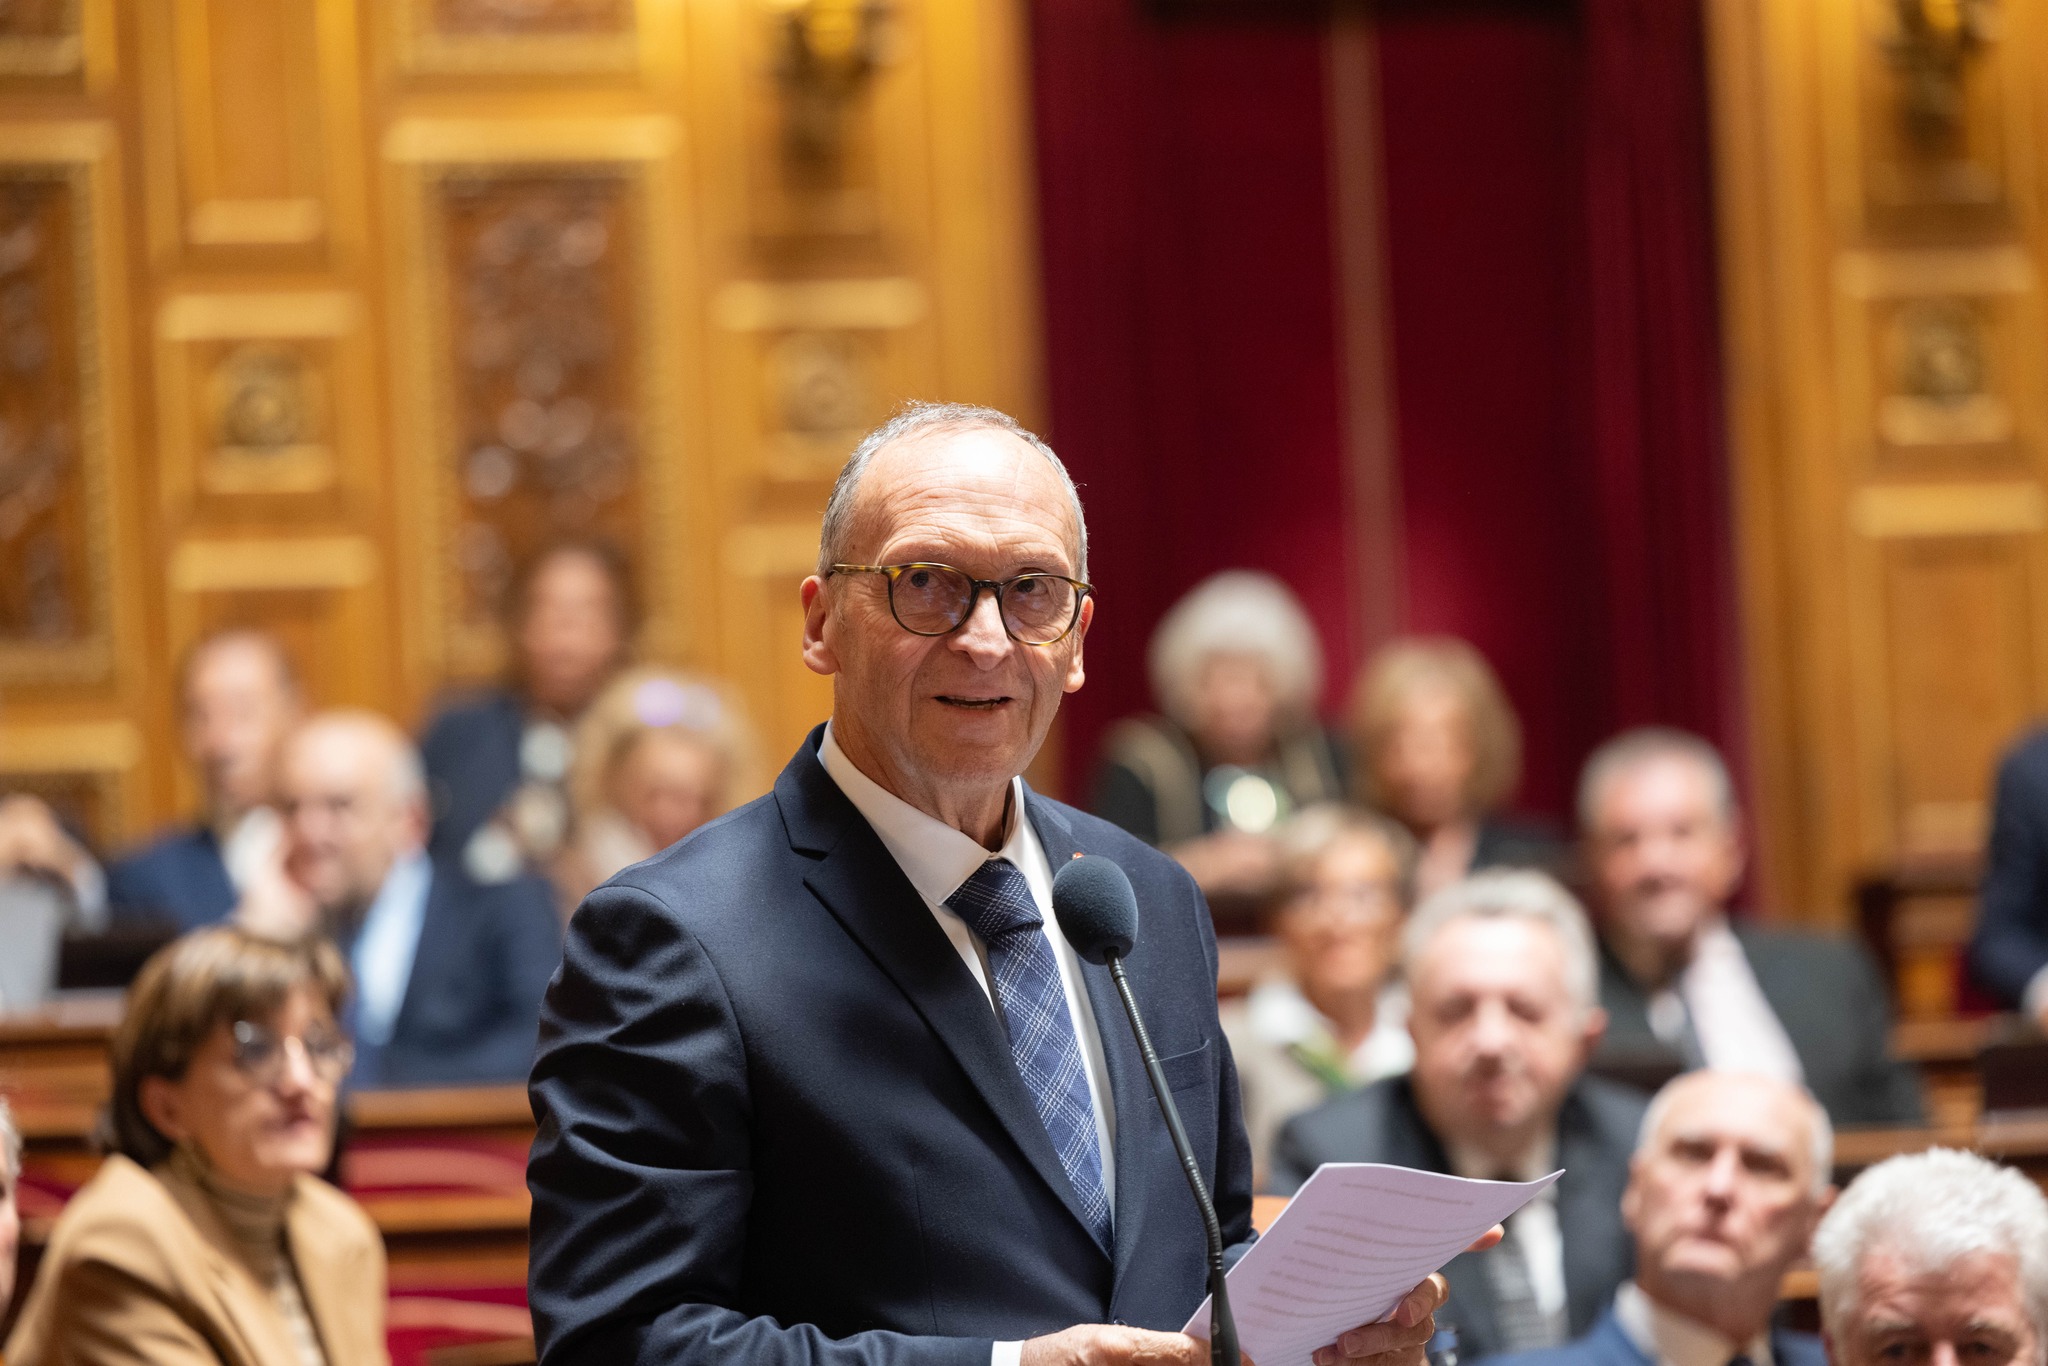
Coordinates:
[1882,214]
[319,314]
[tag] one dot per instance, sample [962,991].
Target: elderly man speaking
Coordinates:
[824,1083]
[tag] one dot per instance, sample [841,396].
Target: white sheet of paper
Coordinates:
[1355,1239]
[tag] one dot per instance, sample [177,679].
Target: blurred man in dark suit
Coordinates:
[238,698]
[1727,1183]
[2009,950]
[1684,986]
[448,974]
[823,1082]
[1500,971]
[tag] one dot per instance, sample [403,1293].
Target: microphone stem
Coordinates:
[1223,1350]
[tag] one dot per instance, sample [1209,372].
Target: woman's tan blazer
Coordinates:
[141,1272]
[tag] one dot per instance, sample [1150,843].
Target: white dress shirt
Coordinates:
[937,859]
[1735,1025]
[254,847]
[1534,1226]
[1669,1338]
[386,946]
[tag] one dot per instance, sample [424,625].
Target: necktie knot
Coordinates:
[996,901]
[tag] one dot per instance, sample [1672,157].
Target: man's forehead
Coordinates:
[1494,951]
[946,480]
[1753,1112]
[1977,1285]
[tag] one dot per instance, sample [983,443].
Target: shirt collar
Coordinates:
[1670,1338]
[405,886]
[935,857]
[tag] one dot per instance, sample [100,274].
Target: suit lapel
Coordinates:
[322,1274]
[864,889]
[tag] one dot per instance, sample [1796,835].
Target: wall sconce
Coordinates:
[827,51]
[1935,41]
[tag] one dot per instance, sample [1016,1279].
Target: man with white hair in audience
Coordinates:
[1501,979]
[1729,1178]
[449,972]
[1935,1258]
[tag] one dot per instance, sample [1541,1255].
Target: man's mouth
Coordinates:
[973,703]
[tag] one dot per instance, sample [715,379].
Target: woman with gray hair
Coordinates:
[1236,671]
[1935,1256]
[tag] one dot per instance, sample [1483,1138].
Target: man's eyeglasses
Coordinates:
[260,1053]
[935,599]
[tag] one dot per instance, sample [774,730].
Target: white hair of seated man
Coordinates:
[1934,1208]
[1512,894]
[1821,1134]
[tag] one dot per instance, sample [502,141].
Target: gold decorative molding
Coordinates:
[70,747]
[79,158]
[1896,510]
[280,565]
[425,141]
[314,313]
[1968,270]
[58,49]
[820,305]
[524,45]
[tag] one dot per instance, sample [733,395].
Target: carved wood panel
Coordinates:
[41,37]
[518,36]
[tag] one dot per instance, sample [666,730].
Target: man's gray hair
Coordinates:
[1504,894]
[1932,1209]
[926,419]
[1241,612]
[1643,745]
[1820,1133]
[10,1147]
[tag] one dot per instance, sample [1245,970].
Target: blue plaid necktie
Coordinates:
[996,904]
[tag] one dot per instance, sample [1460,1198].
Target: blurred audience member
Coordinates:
[35,846]
[238,697]
[1938,1257]
[1237,670]
[1501,975]
[657,755]
[10,1209]
[1729,1178]
[1336,1017]
[498,764]
[1436,746]
[205,1237]
[2009,951]
[449,973]
[1681,983]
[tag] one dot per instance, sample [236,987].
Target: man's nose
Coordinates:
[982,634]
[1492,1030]
[1721,1175]
[1944,1353]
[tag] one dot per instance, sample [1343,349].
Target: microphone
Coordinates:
[1098,913]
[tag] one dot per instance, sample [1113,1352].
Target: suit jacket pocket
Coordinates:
[1192,1068]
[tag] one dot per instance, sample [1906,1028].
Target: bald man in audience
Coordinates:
[1935,1258]
[448,973]
[1500,971]
[1686,986]
[1729,1178]
[238,698]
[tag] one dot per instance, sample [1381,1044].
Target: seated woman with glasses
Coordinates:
[1334,1014]
[1236,670]
[205,1237]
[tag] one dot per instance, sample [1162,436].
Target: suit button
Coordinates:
[1118,1323]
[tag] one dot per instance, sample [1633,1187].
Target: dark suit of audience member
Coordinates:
[1500,971]
[2009,950]
[1829,999]
[1596,1132]
[498,763]
[1609,1345]
[1685,986]
[180,878]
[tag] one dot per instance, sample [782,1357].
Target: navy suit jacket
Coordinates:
[470,1007]
[181,878]
[778,1122]
[471,754]
[1596,1134]
[1608,1345]
[2011,941]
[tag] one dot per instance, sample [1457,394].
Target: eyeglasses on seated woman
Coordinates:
[207,1234]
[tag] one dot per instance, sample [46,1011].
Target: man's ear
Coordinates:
[819,656]
[1076,674]
[163,1106]
[1631,1197]
[1592,1029]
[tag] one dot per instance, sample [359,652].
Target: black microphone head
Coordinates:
[1096,908]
